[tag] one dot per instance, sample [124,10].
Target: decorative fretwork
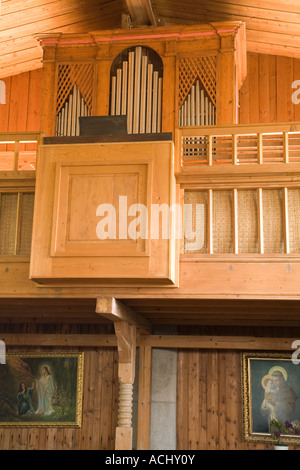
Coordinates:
[80,74]
[192,68]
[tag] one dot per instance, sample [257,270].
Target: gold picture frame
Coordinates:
[264,398]
[41,389]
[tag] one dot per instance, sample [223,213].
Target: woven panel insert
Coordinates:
[191,224]
[222,222]
[8,219]
[26,223]
[247,221]
[273,221]
[294,219]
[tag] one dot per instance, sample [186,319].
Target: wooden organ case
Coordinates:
[159,78]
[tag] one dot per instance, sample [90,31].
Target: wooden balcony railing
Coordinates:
[18,150]
[238,144]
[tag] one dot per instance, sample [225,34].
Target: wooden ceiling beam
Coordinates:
[141,12]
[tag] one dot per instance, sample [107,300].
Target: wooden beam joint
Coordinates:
[141,12]
[115,310]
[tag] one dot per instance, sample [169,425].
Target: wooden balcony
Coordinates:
[237,145]
[247,180]
[250,237]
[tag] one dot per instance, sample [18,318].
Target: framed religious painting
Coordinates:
[271,398]
[41,390]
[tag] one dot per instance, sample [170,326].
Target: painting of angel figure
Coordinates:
[41,390]
[271,394]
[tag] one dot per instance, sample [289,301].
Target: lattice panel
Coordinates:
[193,68]
[78,74]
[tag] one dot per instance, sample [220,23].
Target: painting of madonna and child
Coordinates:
[41,390]
[271,396]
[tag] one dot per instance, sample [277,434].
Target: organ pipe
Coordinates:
[141,93]
[197,109]
[67,120]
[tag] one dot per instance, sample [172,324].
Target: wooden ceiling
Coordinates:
[272,27]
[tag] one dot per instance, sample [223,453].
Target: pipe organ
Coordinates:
[88,186]
[160,78]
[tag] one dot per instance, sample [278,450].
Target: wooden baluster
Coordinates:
[286,220]
[16,155]
[260,221]
[285,147]
[126,336]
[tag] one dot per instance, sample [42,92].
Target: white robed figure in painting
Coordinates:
[45,390]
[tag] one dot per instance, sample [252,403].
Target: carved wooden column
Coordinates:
[227,83]
[103,80]
[48,110]
[126,337]
[126,324]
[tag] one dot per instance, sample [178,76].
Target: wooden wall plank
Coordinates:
[266,94]
[99,413]
[264,91]
[209,415]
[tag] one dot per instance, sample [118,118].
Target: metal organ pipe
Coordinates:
[67,120]
[197,109]
[141,93]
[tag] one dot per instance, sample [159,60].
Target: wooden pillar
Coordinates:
[126,324]
[103,80]
[144,400]
[126,337]
[48,101]
[227,83]
[169,83]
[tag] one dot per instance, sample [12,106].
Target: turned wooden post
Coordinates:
[126,337]
[126,324]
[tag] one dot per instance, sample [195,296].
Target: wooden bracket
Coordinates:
[115,310]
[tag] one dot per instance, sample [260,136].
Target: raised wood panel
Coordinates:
[72,182]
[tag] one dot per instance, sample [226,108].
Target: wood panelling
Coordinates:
[20,23]
[266,94]
[21,112]
[271,27]
[100,400]
[209,401]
